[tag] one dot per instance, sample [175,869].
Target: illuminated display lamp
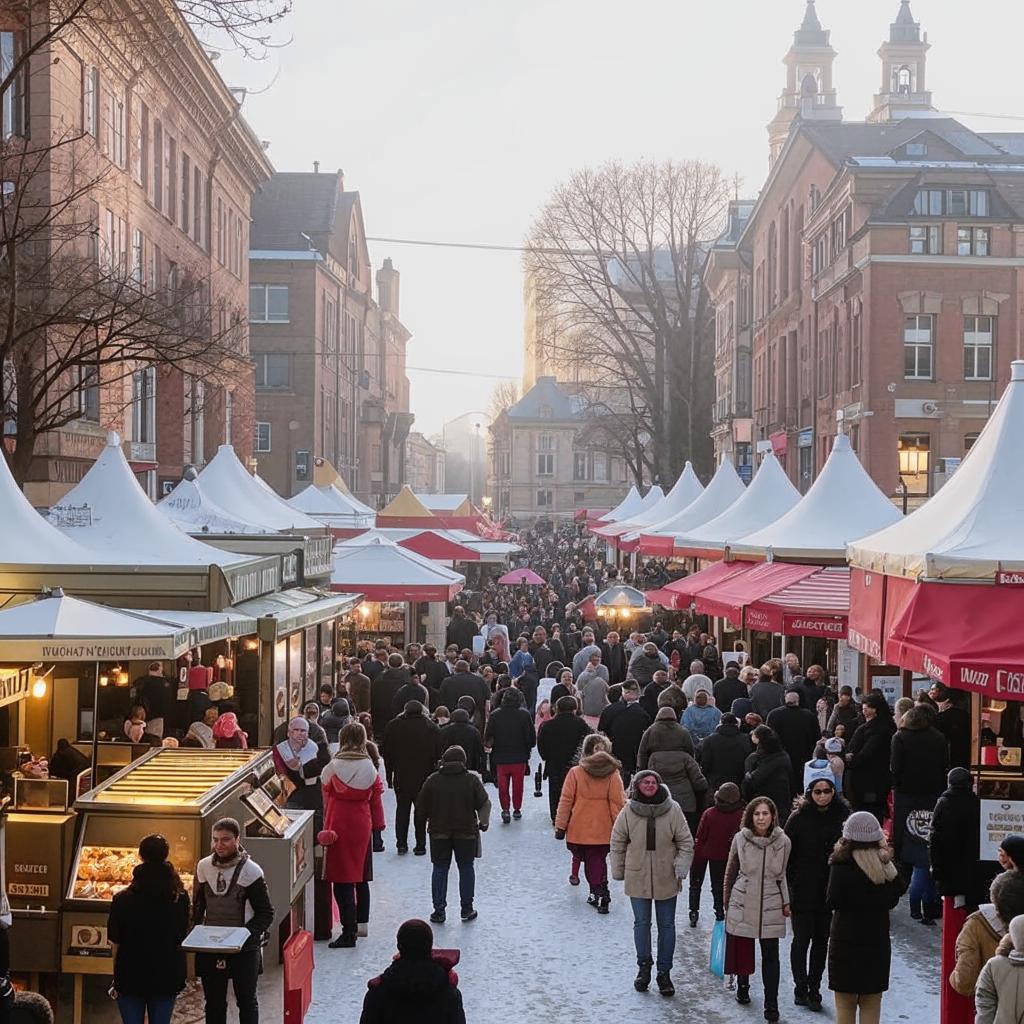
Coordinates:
[621,600]
[39,687]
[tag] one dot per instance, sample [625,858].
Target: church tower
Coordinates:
[903,92]
[809,93]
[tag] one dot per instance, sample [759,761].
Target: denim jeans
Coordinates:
[133,1009]
[441,851]
[665,915]
[922,889]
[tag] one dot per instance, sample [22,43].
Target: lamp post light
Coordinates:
[913,463]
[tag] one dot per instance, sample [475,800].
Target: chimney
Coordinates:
[316,166]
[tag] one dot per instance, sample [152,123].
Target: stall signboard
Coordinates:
[247,581]
[127,649]
[890,686]
[295,673]
[317,557]
[999,818]
[280,682]
[849,668]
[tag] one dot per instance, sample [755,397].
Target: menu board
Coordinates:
[999,818]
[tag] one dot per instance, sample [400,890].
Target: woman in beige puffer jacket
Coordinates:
[757,901]
[651,851]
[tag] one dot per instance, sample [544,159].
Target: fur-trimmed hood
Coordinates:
[600,764]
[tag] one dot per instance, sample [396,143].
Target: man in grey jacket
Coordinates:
[582,656]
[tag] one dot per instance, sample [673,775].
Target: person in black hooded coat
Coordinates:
[954,840]
[868,758]
[813,828]
[460,731]
[767,772]
[558,743]
[420,985]
[723,755]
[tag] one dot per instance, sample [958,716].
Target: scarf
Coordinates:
[878,867]
[651,808]
[305,755]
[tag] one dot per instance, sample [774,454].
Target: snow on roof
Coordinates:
[26,537]
[685,491]
[769,496]
[724,488]
[629,505]
[971,528]
[332,506]
[842,505]
[228,484]
[192,510]
[109,513]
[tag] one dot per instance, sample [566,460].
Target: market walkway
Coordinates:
[538,953]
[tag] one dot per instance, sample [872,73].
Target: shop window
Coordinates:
[914,453]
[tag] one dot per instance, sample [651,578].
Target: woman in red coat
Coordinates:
[352,809]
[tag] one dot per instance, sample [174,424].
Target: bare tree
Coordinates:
[504,395]
[617,255]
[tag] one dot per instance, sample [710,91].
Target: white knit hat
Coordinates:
[1017,933]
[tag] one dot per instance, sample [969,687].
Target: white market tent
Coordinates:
[443,502]
[629,506]
[375,566]
[724,488]
[490,551]
[650,499]
[842,505]
[332,507]
[769,496]
[191,509]
[109,513]
[27,538]
[972,528]
[60,628]
[228,484]
[685,491]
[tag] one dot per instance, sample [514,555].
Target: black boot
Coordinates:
[799,996]
[742,989]
[347,938]
[604,900]
[665,986]
[643,975]
[813,999]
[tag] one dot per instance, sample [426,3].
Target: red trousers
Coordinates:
[514,773]
[953,1007]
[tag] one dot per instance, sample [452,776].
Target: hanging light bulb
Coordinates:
[39,687]
[104,680]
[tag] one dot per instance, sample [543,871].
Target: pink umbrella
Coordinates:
[521,577]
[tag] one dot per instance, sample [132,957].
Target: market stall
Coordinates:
[684,492]
[724,489]
[629,506]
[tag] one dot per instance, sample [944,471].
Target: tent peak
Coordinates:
[1017,370]
[113,439]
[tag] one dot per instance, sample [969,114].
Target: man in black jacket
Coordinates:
[652,691]
[453,806]
[461,630]
[461,731]
[558,743]
[729,688]
[724,753]
[954,723]
[383,691]
[464,683]
[614,658]
[869,778]
[226,883]
[798,731]
[542,655]
[410,749]
[627,727]
[511,736]
[431,671]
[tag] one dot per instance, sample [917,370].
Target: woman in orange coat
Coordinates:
[592,797]
[352,810]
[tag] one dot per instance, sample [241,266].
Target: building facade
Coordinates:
[424,465]
[544,462]
[886,263]
[166,166]
[327,341]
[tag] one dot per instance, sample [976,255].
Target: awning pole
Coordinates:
[95,723]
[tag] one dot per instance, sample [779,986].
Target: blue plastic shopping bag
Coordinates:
[717,958]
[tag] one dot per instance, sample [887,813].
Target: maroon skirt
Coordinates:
[739,955]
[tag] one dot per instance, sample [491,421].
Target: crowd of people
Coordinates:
[809,810]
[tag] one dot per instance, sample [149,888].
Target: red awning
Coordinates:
[666,598]
[967,636]
[684,591]
[441,549]
[627,547]
[876,601]
[729,598]
[817,605]
[656,544]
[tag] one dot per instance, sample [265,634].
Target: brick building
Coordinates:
[174,165]
[424,465]
[885,262]
[329,353]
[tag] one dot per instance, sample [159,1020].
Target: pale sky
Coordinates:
[455,120]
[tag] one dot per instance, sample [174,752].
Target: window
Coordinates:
[89,393]
[220,231]
[113,250]
[913,452]
[14,96]
[198,208]
[579,466]
[186,183]
[268,303]
[969,440]
[600,467]
[158,163]
[546,442]
[229,415]
[272,370]
[545,499]
[954,202]
[263,437]
[504,463]
[138,257]
[929,203]
[115,132]
[330,329]
[856,348]
[144,405]
[171,174]
[979,333]
[918,340]
[140,161]
[926,239]
[91,100]
[545,464]
[972,241]
[194,415]
[917,149]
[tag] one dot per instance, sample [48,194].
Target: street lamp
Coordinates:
[913,463]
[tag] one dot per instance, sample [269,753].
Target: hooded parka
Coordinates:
[592,797]
[755,888]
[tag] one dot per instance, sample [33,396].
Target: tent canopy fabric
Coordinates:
[382,571]
[447,504]
[684,491]
[817,605]
[192,510]
[724,489]
[521,577]
[227,483]
[332,506]
[729,598]
[629,506]
[63,629]
[964,635]
[439,548]
[27,538]
[108,512]
[684,592]
[842,505]
[325,474]
[769,496]
[971,528]
[405,505]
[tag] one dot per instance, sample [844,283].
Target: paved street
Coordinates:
[538,953]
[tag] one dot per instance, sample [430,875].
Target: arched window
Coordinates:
[809,86]
[903,80]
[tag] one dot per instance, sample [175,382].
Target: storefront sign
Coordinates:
[999,818]
[107,650]
[1010,579]
[317,557]
[832,627]
[247,583]
[757,618]
[289,568]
